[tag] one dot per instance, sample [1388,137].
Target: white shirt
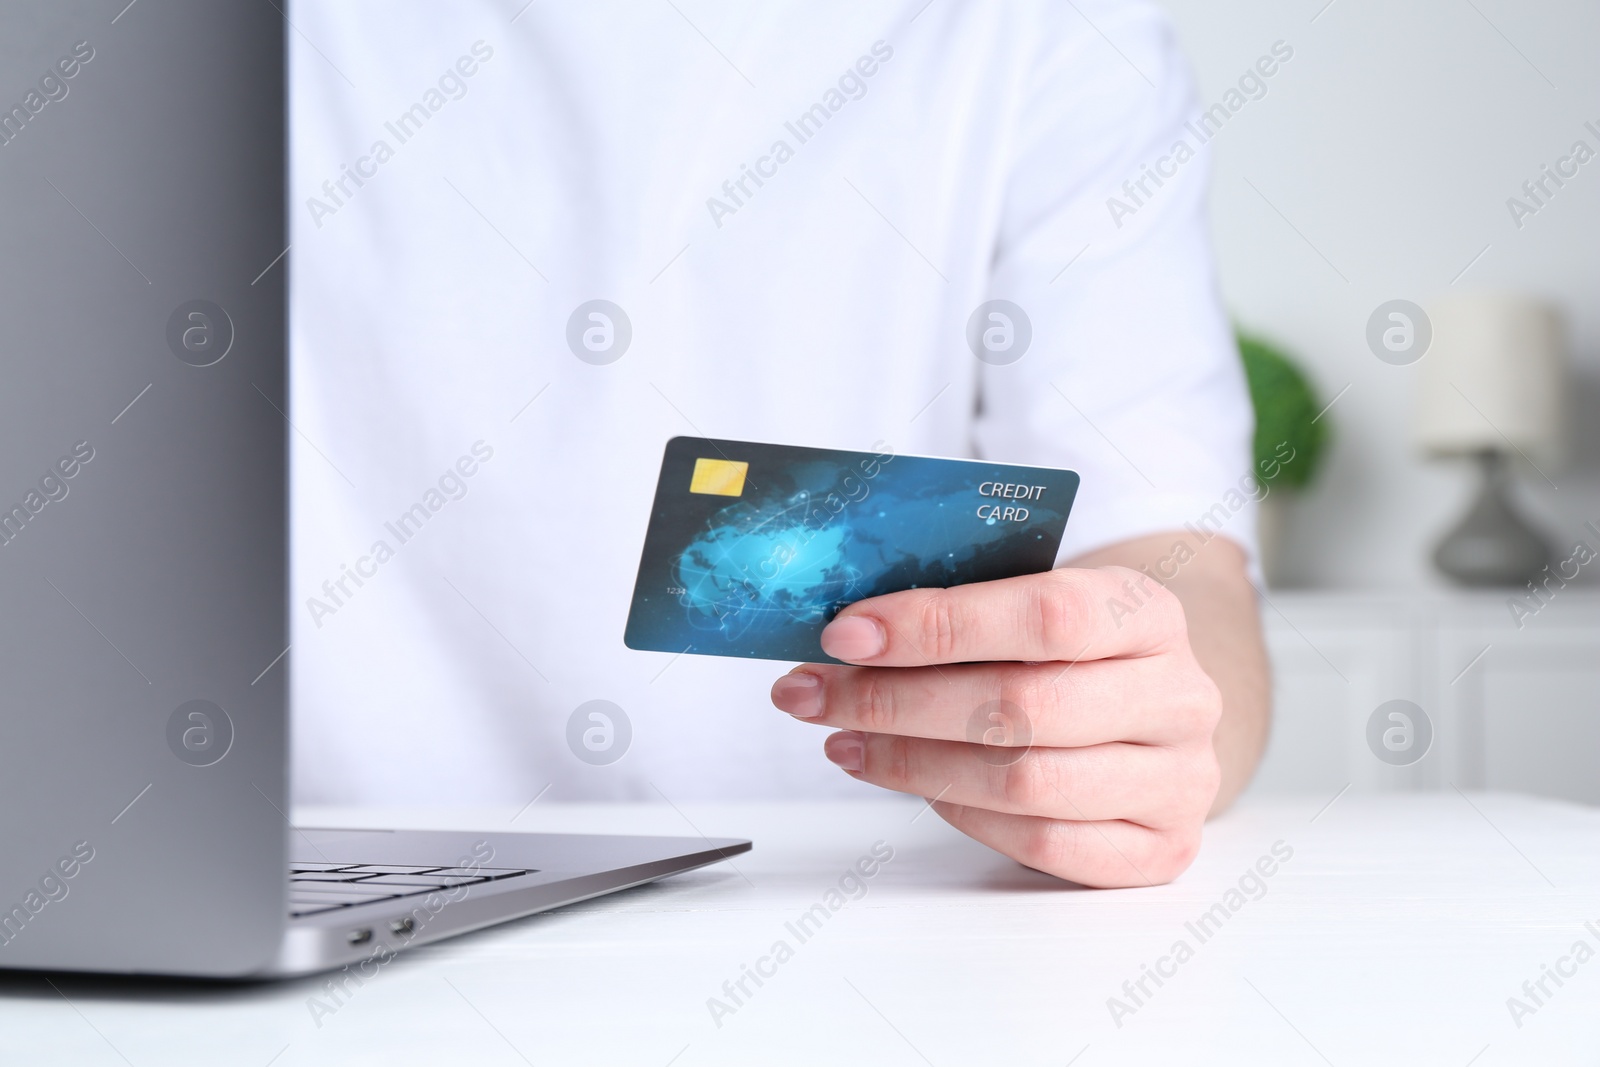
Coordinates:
[511,171]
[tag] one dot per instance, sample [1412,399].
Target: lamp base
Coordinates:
[1492,545]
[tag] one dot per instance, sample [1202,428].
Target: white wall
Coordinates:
[1391,141]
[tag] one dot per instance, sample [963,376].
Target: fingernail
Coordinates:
[848,749]
[854,637]
[799,694]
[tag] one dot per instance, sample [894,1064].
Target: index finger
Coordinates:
[1064,614]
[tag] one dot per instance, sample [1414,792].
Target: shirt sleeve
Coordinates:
[1132,376]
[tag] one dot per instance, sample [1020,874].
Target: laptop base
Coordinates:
[496,877]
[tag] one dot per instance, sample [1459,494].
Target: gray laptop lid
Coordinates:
[142,484]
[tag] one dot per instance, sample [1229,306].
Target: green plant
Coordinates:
[1285,406]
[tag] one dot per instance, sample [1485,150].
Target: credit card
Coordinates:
[753,548]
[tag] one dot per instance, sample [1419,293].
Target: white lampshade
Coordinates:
[1492,375]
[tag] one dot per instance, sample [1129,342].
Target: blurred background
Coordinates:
[1380,165]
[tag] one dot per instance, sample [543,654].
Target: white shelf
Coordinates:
[1512,707]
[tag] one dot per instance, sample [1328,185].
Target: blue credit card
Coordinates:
[753,548]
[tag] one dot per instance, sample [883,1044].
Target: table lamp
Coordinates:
[1490,388]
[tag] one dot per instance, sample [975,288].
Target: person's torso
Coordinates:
[794,207]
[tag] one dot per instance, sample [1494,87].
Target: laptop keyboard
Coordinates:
[320,887]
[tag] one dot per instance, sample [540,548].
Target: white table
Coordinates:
[1394,934]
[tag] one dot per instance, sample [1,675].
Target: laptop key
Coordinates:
[390,868]
[485,872]
[325,876]
[336,902]
[338,891]
[436,881]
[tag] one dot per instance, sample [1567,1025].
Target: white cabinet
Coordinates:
[1510,708]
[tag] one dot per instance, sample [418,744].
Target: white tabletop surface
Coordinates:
[1395,933]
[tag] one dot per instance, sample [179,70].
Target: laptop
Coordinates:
[143,496]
